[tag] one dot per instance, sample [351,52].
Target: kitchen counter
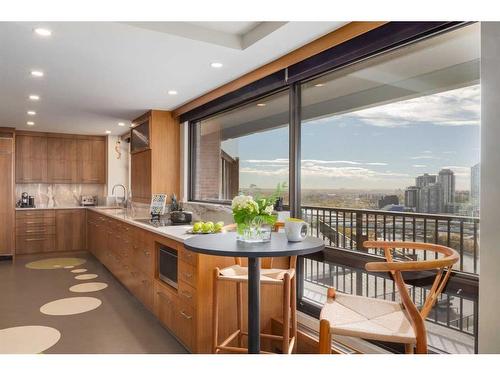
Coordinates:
[49,208]
[174,232]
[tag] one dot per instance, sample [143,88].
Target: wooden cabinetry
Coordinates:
[71,234]
[155,165]
[60,158]
[140,176]
[31,158]
[35,231]
[6,192]
[91,160]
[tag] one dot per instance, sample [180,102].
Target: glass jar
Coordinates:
[253,232]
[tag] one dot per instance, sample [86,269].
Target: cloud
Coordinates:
[326,168]
[419,166]
[459,107]
[422,157]
[279,162]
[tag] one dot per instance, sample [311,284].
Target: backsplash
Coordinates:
[64,195]
[209,211]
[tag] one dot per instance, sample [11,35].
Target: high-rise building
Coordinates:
[412,198]
[475,178]
[446,179]
[388,200]
[431,199]
[425,179]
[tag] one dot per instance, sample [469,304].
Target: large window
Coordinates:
[389,150]
[241,150]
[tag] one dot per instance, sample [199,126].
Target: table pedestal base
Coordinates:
[254,305]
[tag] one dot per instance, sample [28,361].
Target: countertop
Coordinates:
[49,208]
[174,232]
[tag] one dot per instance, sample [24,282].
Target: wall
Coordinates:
[118,169]
[489,297]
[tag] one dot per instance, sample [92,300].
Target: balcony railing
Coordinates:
[347,229]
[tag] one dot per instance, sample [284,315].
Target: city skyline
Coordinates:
[383,147]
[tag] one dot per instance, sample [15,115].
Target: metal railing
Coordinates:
[347,229]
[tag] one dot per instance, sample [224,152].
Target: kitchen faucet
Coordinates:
[124,202]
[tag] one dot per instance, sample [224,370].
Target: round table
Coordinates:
[225,244]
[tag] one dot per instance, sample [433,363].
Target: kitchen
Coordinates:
[163,188]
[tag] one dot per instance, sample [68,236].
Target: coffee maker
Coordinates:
[27,201]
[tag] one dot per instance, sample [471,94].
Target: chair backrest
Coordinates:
[442,265]
[268,262]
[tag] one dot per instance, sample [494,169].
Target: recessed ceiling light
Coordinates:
[261,104]
[121,124]
[172,92]
[42,32]
[34,97]
[216,65]
[37,73]
[31,113]
[108,131]
[30,123]
[319,85]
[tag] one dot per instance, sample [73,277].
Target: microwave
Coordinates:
[167,271]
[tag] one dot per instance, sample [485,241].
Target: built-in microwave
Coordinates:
[167,265]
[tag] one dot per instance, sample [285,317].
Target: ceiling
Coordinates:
[97,74]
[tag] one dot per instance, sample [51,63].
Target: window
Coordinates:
[390,151]
[241,150]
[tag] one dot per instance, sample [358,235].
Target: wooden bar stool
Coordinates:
[238,274]
[378,319]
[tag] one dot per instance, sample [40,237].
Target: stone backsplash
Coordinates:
[59,195]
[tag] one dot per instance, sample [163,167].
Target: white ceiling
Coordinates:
[100,73]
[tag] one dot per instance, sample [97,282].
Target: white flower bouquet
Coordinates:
[254,217]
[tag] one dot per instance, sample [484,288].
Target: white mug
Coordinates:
[296,230]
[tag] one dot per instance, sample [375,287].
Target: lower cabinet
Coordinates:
[70,230]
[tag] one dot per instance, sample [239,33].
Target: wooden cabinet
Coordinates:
[140,176]
[62,161]
[155,164]
[70,230]
[91,155]
[7,192]
[35,231]
[31,158]
[60,158]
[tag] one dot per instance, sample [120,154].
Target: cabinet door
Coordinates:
[6,197]
[62,164]
[70,230]
[31,159]
[141,176]
[91,161]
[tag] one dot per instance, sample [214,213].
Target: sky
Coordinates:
[383,147]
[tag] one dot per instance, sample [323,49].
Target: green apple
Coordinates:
[198,226]
[218,226]
[208,227]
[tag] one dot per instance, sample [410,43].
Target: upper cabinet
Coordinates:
[60,158]
[31,158]
[155,163]
[92,160]
[62,161]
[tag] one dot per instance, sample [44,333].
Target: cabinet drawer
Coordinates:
[35,244]
[187,294]
[36,221]
[187,256]
[187,273]
[35,213]
[34,230]
[186,325]
[165,307]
